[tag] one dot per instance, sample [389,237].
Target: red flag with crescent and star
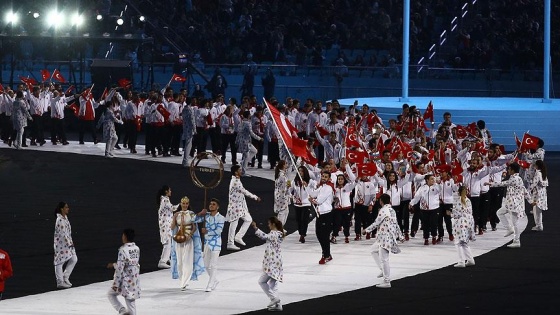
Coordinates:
[352,138]
[288,133]
[529,142]
[58,76]
[366,169]
[178,78]
[356,156]
[429,113]
[45,75]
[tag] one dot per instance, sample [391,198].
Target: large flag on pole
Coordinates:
[429,113]
[529,142]
[58,76]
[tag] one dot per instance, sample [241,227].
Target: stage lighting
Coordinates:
[99,17]
[36,15]
[120,21]
[142,18]
[55,19]
[11,18]
[77,19]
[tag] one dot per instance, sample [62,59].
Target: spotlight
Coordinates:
[36,15]
[99,17]
[11,18]
[55,19]
[142,18]
[120,21]
[77,19]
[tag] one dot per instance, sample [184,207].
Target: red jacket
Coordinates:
[5,268]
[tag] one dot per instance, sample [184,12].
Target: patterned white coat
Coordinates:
[165,214]
[281,194]
[388,230]
[463,221]
[514,200]
[237,205]
[272,261]
[63,244]
[126,281]
[537,190]
[20,114]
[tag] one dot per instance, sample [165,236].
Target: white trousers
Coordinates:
[130,303]
[381,257]
[509,220]
[185,259]
[247,219]
[464,252]
[269,285]
[110,146]
[65,274]
[211,263]
[19,138]
[282,215]
[537,215]
[165,253]
[247,156]
[187,152]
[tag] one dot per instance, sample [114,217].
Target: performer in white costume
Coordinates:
[64,251]
[165,214]
[126,281]
[281,195]
[463,227]
[213,241]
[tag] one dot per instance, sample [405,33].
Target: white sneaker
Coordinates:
[184,288]
[67,281]
[232,247]
[273,302]
[470,263]
[215,284]
[515,244]
[508,233]
[123,311]
[275,308]
[380,275]
[239,240]
[384,285]
[537,228]
[63,285]
[163,265]
[208,288]
[459,265]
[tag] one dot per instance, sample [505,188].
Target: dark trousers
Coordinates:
[58,131]
[342,218]
[323,228]
[89,127]
[37,129]
[6,126]
[415,219]
[362,218]
[260,146]
[176,132]
[429,222]
[119,130]
[215,139]
[303,217]
[404,222]
[200,139]
[475,201]
[273,153]
[132,133]
[484,209]
[496,196]
[444,216]
[149,137]
[228,139]
[164,137]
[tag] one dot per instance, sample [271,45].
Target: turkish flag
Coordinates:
[366,169]
[45,75]
[75,108]
[163,111]
[442,168]
[1,88]
[58,76]
[352,138]
[124,82]
[461,132]
[380,145]
[28,81]
[322,131]
[373,119]
[522,163]
[422,124]
[355,156]
[69,90]
[178,78]
[456,168]
[309,158]
[299,148]
[517,141]
[472,128]
[530,142]
[282,123]
[429,113]
[104,94]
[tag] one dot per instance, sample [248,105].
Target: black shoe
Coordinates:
[24,145]
[81,142]
[65,143]
[260,166]
[33,143]
[117,147]
[42,143]
[125,146]
[133,151]
[95,141]
[154,155]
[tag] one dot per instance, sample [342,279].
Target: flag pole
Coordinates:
[290,155]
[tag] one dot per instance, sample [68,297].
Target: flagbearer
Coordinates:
[86,115]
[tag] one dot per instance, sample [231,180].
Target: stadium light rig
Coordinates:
[12,18]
